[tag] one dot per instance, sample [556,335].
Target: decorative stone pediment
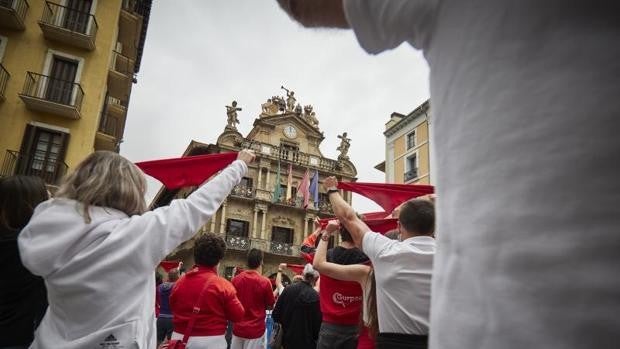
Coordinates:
[286,221]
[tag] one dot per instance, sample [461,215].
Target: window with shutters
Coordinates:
[42,153]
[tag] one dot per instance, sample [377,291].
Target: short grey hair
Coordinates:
[106,179]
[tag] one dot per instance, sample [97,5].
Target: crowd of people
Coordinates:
[525,133]
[93,246]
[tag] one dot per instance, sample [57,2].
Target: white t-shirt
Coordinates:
[526,128]
[403,274]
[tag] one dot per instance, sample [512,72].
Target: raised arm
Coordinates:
[345,213]
[316,13]
[159,231]
[353,272]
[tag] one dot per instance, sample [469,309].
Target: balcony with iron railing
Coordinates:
[244,243]
[411,175]
[109,133]
[16,163]
[120,75]
[241,243]
[69,26]
[4,79]
[50,95]
[13,14]
[243,191]
[116,106]
[130,26]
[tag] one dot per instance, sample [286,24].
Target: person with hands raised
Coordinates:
[341,301]
[96,247]
[403,269]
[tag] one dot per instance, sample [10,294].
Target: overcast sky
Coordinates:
[200,55]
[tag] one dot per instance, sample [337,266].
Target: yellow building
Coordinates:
[407,147]
[251,217]
[66,74]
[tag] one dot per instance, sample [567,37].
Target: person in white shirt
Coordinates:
[524,128]
[403,269]
[96,249]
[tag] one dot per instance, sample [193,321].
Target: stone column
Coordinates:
[254,230]
[267,181]
[305,228]
[262,226]
[260,176]
[213,219]
[223,223]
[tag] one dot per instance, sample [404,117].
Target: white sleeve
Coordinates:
[385,24]
[160,231]
[374,244]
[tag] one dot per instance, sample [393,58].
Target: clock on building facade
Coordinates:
[290,131]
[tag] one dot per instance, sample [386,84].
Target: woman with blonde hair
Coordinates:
[96,248]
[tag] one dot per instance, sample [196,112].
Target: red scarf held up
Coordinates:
[379,222]
[169,265]
[388,196]
[296,268]
[188,170]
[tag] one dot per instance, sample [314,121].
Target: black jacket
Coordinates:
[23,299]
[299,313]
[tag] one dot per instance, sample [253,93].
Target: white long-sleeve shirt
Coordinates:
[100,276]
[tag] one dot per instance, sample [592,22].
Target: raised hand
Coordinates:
[330,182]
[332,226]
[246,156]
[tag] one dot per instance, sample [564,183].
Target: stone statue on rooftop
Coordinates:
[290,99]
[231,112]
[310,116]
[345,143]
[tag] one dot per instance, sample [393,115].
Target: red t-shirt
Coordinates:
[218,304]
[255,293]
[341,301]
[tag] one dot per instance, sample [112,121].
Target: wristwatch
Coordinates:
[332,190]
[326,236]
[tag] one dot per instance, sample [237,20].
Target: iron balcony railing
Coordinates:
[281,248]
[122,64]
[411,174]
[4,79]
[238,242]
[18,7]
[111,126]
[244,243]
[67,18]
[243,191]
[49,169]
[54,90]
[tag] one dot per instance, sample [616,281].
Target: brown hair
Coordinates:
[19,195]
[106,179]
[417,217]
[373,317]
[209,250]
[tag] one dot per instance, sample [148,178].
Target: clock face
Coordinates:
[290,131]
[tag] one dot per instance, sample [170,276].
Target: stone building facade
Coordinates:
[284,137]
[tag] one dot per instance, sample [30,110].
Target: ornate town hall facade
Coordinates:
[259,214]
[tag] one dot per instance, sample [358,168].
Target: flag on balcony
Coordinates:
[314,189]
[277,190]
[289,183]
[188,170]
[388,196]
[303,190]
